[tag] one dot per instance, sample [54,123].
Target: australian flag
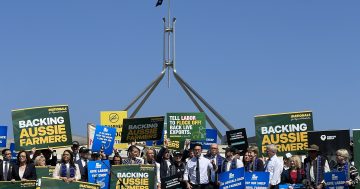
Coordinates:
[159,2]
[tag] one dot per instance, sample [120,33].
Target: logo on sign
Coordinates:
[113,117]
[334,177]
[98,165]
[254,177]
[106,130]
[231,176]
[324,137]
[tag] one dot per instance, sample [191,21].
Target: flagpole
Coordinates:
[169,30]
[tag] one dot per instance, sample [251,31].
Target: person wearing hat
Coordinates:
[343,165]
[75,150]
[82,163]
[170,165]
[315,165]
[179,165]
[230,162]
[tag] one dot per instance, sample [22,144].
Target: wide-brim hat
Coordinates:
[313,147]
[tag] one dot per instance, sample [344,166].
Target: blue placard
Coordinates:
[104,139]
[291,186]
[211,137]
[258,180]
[3,136]
[99,173]
[13,153]
[335,180]
[232,179]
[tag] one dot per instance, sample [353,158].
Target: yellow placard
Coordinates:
[114,119]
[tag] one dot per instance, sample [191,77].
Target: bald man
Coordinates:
[213,155]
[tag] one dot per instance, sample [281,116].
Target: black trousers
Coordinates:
[202,186]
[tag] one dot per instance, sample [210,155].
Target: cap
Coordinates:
[84,150]
[76,143]
[313,147]
[230,149]
[177,153]
[288,155]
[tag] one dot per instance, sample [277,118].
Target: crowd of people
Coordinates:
[193,168]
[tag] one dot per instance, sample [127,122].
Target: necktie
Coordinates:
[6,170]
[197,171]
[267,163]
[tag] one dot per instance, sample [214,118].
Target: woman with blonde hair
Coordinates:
[343,165]
[295,174]
[40,161]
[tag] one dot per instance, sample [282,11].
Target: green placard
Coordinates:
[41,127]
[18,184]
[133,176]
[44,171]
[356,145]
[288,131]
[142,129]
[51,183]
[181,126]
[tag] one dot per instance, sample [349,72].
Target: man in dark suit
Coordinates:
[6,166]
[82,162]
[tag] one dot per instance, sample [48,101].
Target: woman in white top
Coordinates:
[67,170]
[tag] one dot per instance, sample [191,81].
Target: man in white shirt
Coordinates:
[274,166]
[197,170]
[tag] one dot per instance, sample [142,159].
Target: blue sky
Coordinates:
[245,57]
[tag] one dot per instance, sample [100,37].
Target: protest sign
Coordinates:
[288,131]
[114,119]
[183,126]
[90,134]
[13,153]
[211,138]
[141,176]
[291,186]
[29,184]
[257,180]
[356,147]
[3,136]
[232,179]
[171,182]
[142,129]
[335,180]
[53,183]
[44,171]
[237,139]
[330,141]
[41,127]
[104,139]
[99,173]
